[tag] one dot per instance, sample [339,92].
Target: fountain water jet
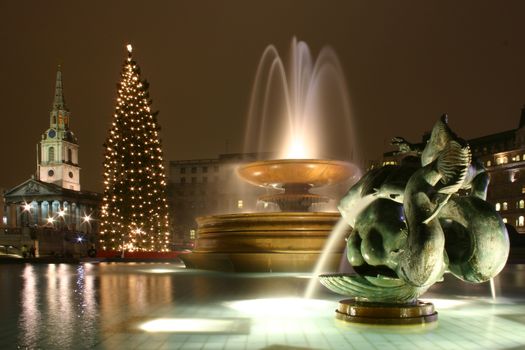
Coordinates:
[340,229]
[309,107]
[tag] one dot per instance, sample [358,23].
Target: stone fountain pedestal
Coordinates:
[264,242]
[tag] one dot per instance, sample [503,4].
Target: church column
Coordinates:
[45,212]
[77,216]
[11,215]
[33,214]
[18,216]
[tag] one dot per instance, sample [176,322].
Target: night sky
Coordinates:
[405,63]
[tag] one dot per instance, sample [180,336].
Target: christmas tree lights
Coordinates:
[134,208]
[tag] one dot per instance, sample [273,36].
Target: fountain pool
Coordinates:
[165,306]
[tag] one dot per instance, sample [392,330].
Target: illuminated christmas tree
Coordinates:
[134,209]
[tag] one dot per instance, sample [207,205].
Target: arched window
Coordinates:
[69,155]
[522,204]
[505,206]
[498,207]
[521,221]
[51,154]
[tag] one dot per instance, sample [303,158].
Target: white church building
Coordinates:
[50,206]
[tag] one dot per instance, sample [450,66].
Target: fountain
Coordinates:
[289,112]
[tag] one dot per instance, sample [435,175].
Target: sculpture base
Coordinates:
[353,311]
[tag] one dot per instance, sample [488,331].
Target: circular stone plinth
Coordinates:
[262,242]
[353,311]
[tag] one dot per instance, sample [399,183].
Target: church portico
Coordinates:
[28,210]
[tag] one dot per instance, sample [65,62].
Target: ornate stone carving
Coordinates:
[32,187]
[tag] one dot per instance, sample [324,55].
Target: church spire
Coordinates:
[58,102]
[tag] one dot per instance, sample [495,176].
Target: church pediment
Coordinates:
[32,188]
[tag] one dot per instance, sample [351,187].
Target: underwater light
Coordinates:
[189,325]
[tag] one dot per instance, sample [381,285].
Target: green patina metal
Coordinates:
[415,221]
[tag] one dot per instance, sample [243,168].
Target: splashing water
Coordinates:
[336,235]
[492,289]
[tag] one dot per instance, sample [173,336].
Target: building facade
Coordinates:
[49,207]
[503,156]
[201,187]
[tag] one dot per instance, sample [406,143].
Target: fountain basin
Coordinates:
[296,177]
[283,173]
[264,242]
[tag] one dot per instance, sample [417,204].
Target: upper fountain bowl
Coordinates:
[279,173]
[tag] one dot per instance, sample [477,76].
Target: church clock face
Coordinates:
[50,173]
[52,133]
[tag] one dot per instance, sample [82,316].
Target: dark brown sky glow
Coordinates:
[405,62]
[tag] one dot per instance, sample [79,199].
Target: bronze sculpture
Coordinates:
[414,222]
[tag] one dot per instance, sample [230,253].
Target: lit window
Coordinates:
[240,204]
[522,204]
[4,220]
[502,160]
[523,189]
[192,234]
[521,221]
[498,207]
[505,206]
[504,220]
[489,163]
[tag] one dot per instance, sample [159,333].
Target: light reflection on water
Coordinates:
[58,306]
[66,306]
[85,306]
[31,315]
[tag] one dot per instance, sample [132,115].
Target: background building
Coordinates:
[503,155]
[206,187]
